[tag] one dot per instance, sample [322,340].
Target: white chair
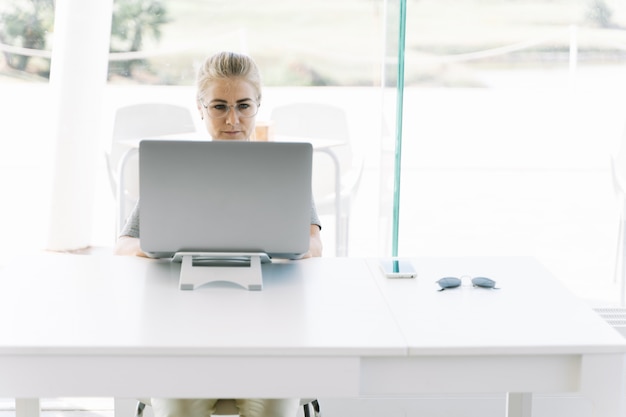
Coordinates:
[229,408]
[327,122]
[618,174]
[135,122]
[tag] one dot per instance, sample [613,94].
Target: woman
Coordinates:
[228,98]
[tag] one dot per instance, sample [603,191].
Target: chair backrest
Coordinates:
[139,121]
[147,119]
[317,121]
[618,166]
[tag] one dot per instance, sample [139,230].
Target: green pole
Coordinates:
[398,147]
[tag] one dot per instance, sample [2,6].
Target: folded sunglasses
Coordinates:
[448,283]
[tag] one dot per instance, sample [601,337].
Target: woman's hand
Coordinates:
[128,246]
[315,243]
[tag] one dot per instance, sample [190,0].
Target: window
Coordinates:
[511,111]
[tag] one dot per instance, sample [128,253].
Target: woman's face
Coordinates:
[221,94]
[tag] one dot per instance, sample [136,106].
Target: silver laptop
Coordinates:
[225,196]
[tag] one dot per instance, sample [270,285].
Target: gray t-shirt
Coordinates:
[131,228]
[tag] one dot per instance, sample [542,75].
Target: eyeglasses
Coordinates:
[220,110]
[448,283]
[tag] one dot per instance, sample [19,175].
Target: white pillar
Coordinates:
[77,80]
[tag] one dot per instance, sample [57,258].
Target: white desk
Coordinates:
[77,325]
[529,336]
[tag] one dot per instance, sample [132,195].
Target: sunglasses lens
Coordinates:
[483,282]
[449,282]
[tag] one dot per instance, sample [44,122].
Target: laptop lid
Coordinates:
[224,196]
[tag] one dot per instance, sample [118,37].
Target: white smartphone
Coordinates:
[395,268]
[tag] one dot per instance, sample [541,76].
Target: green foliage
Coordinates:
[599,13]
[132,21]
[27,24]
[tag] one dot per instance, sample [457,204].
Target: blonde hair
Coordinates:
[225,65]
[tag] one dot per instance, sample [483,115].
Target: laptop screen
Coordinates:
[224,196]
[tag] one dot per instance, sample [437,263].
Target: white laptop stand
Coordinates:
[199,268]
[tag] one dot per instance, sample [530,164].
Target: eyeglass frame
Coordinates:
[477,282]
[231,106]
